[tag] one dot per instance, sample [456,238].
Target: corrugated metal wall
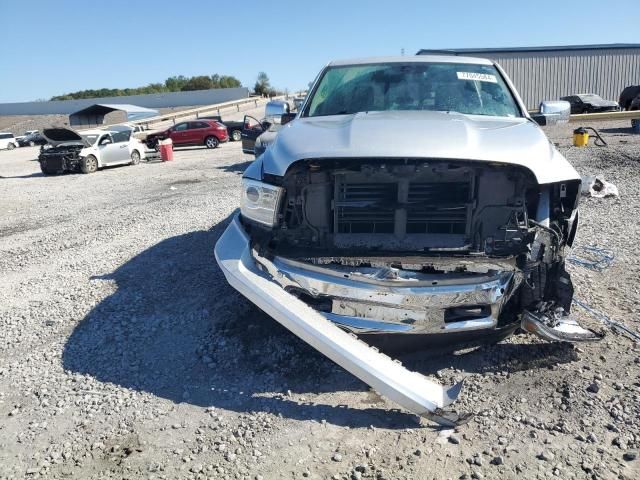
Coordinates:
[550,75]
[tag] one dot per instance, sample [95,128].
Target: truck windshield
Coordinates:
[90,137]
[450,87]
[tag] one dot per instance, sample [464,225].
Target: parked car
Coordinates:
[590,103]
[194,132]
[297,102]
[257,135]
[234,129]
[412,202]
[7,141]
[628,95]
[86,152]
[34,138]
[137,130]
[28,132]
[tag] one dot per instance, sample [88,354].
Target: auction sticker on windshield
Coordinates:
[481,77]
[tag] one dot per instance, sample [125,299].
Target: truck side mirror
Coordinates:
[552,112]
[286,118]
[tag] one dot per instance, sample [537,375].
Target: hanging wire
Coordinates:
[607,321]
[593,258]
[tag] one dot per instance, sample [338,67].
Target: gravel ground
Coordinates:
[125,354]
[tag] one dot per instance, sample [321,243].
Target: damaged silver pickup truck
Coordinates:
[411,202]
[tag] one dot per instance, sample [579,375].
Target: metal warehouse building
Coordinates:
[102,113]
[548,73]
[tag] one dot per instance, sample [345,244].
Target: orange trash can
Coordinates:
[166,150]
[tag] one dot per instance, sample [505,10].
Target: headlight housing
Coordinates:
[260,201]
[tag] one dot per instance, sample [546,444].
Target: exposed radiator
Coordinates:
[365,207]
[409,208]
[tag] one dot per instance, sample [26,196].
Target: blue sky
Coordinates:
[54,47]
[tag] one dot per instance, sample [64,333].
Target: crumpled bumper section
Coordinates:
[387,376]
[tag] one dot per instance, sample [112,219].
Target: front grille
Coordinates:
[416,208]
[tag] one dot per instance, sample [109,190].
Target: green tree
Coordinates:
[262,86]
[175,84]
[201,82]
[172,84]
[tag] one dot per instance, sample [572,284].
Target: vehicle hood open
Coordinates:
[419,134]
[62,135]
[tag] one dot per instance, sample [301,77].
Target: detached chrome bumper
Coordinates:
[393,301]
[388,377]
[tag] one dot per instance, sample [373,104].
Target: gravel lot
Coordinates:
[125,354]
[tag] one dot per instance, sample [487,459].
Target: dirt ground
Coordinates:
[125,354]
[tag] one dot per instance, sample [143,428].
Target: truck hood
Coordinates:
[61,135]
[423,134]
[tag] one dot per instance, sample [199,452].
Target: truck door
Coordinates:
[251,130]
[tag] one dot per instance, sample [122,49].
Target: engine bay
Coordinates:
[435,207]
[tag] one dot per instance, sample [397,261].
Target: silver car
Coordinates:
[411,202]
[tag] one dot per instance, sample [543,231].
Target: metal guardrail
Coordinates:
[595,117]
[206,109]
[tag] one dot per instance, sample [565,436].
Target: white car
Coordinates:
[86,152]
[7,141]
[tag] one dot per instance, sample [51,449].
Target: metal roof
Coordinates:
[410,59]
[551,48]
[126,107]
[133,112]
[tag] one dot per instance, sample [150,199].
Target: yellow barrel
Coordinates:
[580,137]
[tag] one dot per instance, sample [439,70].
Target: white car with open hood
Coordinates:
[413,202]
[88,150]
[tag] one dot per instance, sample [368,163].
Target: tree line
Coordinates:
[178,83]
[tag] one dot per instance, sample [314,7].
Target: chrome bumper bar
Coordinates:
[387,376]
[384,300]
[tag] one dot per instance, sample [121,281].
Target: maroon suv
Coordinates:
[194,132]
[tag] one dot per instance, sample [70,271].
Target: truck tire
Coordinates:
[89,164]
[211,142]
[236,135]
[11,146]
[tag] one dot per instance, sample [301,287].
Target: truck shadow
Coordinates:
[174,328]
[239,167]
